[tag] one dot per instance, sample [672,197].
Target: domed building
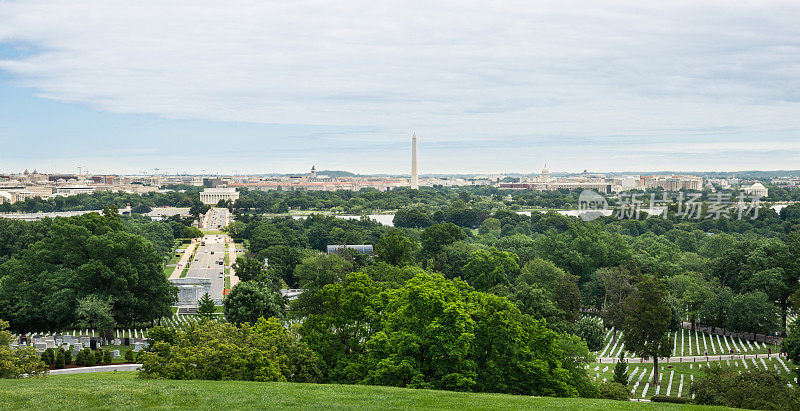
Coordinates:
[756,189]
[545,175]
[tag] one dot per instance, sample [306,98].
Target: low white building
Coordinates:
[191,290]
[74,190]
[213,195]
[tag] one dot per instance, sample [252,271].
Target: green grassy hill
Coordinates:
[124,390]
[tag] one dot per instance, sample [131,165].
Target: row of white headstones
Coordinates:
[691,377]
[174,321]
[614,350]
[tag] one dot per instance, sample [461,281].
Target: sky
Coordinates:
[256,86]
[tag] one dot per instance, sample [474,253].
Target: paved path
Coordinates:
[692,358]
[100,368]
[184,260]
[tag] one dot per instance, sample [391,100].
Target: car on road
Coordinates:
[220,275]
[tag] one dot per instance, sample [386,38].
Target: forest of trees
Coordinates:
[458,296]
[58,273]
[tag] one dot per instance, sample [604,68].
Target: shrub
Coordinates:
[60,358]
[80,358]
[107,357]
[97,357]
[67,357]
[614,391]
[85,358]
[49,356]
[129,356]
[213,350]
[672,399]
[753,389]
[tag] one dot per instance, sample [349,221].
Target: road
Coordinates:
[216,219]
[208,263]
[209,256]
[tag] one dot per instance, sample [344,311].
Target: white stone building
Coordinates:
[756,189]
[213,195]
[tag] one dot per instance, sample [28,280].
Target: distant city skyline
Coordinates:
[245,87]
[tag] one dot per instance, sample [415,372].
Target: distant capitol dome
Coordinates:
[545,171]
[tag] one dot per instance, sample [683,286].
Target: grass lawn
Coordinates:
[124,390]
[212,232]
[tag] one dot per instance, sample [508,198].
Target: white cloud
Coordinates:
[616,71]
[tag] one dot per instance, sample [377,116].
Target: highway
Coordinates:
[208,261]
[216,219]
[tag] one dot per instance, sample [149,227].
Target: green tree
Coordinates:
[248,301]
[205,307]
[396,248]
[752,312]
[691,290]
[714,309]
[489,225]
[426,340]
[487,269]
[235,228]
[590,331]
[617,285]
[312,275]
[94,313]
[249,269]
[621,370]
[647,320]
[340,331]
[562,288]
[283,259]
[412,217]
[437,236]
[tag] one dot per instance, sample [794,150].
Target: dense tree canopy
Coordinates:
[78,257]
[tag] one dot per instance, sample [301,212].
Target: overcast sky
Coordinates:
[489,87]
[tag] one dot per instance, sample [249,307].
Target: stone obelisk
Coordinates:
[414,176]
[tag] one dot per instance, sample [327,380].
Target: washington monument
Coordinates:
[414,176]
